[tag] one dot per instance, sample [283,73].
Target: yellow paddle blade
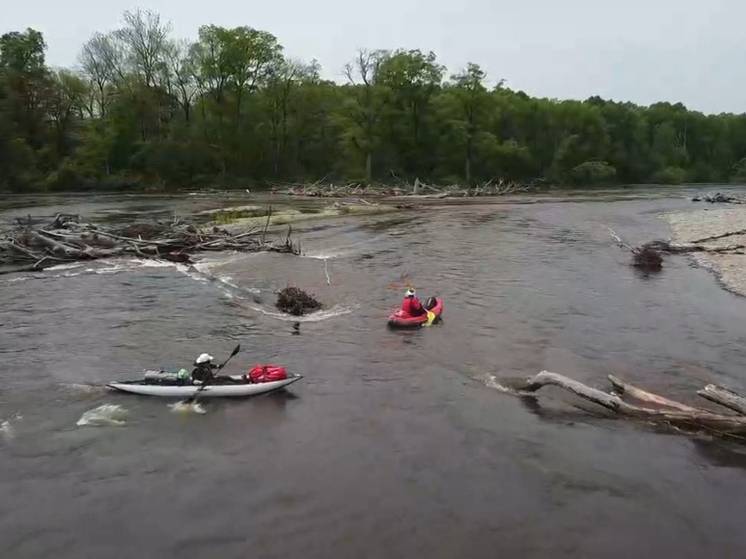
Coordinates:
[430,318]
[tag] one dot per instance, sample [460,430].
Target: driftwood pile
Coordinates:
[718,198]
[297,302]
[649,257]
[655,408]
[35,246]
[418,190]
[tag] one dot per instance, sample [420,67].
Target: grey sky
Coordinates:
[639,50]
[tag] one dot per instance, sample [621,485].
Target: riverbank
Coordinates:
[708,223]
[269,215]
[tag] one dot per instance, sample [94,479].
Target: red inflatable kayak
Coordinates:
[400,319]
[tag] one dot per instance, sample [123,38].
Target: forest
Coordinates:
[143,109]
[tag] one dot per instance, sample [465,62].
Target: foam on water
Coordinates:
[59,267]
[187,407]
[227,280]
[318,316]
[490,381]
[6,431]
[104,415]
[326,255]
[192,272]
[202,272]
[107,267]
[153,263]
[83,388]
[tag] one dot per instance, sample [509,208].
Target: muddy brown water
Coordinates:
[395,444]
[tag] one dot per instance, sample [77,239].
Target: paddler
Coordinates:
[411,304]
[204,367]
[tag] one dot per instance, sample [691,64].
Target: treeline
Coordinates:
[142,108]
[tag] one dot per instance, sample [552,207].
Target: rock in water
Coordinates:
[297,302]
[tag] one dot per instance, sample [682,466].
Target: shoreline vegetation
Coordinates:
[143,110]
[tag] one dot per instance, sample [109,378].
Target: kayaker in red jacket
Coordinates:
[411,304]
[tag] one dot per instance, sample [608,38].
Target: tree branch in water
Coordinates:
[666,411]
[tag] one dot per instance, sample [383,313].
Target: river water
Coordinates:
[395,444]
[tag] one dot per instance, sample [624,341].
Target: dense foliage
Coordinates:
[231,109]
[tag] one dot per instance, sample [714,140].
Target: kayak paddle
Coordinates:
[193,397]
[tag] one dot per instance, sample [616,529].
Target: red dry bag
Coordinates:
[267,373]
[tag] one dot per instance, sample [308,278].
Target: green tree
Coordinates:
[146,108]
[593,173]
[464,106]
[361,112]
[66,107]
[24,88]
[412,79]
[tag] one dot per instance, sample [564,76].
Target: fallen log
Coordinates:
[56,247]
[724,397]
[681,416]
[645,396]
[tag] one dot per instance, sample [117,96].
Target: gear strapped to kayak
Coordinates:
[267,373]
[259,379]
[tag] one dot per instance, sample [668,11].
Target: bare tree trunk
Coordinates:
[369,167]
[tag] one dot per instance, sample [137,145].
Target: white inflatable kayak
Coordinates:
[167,390]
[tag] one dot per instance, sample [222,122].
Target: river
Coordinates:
[395,444]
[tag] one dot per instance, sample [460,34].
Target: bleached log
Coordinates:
[698,419]
[724,397]
[645,396]
[546,378]
[55,246]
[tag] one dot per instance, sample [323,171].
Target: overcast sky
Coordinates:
[638,50]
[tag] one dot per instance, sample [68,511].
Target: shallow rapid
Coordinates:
[395,443]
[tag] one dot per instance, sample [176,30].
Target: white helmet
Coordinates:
[410,292]
[204,358]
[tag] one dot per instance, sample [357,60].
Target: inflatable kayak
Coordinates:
[237,387]
[400,319]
